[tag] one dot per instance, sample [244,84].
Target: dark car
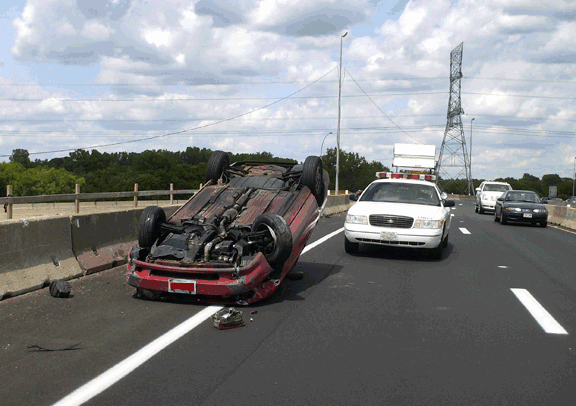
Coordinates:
[236,239]
[551,200]
[520,206]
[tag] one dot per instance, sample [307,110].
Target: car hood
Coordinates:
[497,194]
[416,211]
[525,205]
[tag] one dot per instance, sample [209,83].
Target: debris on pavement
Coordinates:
[60,288]
[37,348]
[228,318]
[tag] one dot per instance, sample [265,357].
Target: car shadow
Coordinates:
[400,253]
[314,274]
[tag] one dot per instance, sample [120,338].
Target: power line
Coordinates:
[214,98]
[237,83]
[380,108]
[187,130]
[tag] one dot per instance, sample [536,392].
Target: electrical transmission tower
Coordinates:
[453,162]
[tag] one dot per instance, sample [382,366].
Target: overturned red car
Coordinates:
[236,239]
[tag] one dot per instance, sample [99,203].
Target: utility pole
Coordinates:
[574,177]
[339,103]
[453,152]
[471,188]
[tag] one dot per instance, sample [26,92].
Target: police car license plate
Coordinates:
[182,286]
[528,215]
[388,236]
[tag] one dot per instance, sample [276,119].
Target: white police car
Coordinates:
[399,210]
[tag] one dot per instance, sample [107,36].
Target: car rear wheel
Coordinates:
[218,162]
[312,177]
[351,247]
[277,243]
[149,226]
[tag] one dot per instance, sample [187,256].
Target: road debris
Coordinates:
[37,348]
[60,288]
[228,318]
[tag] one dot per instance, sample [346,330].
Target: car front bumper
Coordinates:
[519,217]
[411,238]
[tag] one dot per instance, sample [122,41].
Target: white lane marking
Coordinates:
[120,370]
[451,215]
[321,240]
[546,321]
[464,231]
[502,266]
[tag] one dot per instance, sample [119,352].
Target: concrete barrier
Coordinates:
[569,220]
[337,204]
[102,241]
[33,253]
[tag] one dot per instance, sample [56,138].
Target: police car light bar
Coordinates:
[392,175]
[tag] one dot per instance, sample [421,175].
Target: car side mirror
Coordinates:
[500,199]
[449,203]
[477,189]
[354,197]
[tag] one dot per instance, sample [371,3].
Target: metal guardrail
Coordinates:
[8,202]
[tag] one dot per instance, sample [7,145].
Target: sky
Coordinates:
[253,76]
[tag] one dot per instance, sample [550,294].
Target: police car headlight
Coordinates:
[513,209]
[355,219]
[540,211]
[428,223]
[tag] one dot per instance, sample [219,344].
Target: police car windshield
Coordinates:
[401,192]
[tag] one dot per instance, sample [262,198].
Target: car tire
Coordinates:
[217,164]
[544,224]
[503,220]
[436,253]
[475,209]
[495,216]
[351,247]
[279,248]
[445,241]
[480,210]
[313,178]
[149,226]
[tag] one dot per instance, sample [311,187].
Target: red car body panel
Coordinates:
[225,284]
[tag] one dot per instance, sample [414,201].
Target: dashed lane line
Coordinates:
[120,370]
[464,230]
[540,314]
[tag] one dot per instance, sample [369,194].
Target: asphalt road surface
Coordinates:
[492,323]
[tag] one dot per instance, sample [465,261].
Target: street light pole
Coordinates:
[471,180]
[322,146]
[574,177]
[339,101]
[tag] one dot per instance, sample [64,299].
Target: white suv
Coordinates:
[488,193]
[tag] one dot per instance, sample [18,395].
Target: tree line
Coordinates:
[98,172]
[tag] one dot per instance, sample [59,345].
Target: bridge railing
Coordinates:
[10,201]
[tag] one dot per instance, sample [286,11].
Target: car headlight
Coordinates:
[356,219]
[540,211]
[513,209]
[428,223]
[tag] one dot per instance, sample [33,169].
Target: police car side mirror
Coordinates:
[354,197]
[449,203]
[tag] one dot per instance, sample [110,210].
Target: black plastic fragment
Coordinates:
[60,288]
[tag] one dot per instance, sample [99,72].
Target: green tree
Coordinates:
[20,156]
